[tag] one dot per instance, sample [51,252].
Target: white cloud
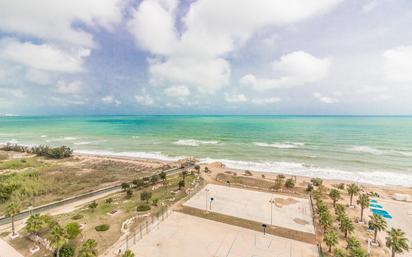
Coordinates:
[11,93]
[212,30]
[73,87]
[144,99]
[369,6]
[110,100]
[235,98]
[264,101]
[296,69]
[177,91]
[42,56]
[54,20]
[326,99]
[398,64]
[65,101]
[38,77]
[156,16]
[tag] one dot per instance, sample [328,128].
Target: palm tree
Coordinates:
[325,220]
[357,252]
[12,209]
[397,241]
[377,223]
[35,224]
[88,249]
[353,189]
[352,242]
[334,194]
[338,253]
[57,238]
[331,239]
[339,209]
[128,253]
[363,201]
[346,226]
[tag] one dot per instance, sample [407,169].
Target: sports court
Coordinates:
[182,235]
[269,208]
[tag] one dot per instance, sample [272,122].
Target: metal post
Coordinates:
[206,191]
[147,227]
[127,242]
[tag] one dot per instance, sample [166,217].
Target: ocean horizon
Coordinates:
[365,149]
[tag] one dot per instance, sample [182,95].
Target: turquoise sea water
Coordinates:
[367,149]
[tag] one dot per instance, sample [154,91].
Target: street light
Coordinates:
[211,200]
[271,211]
[264,226]
[206,191]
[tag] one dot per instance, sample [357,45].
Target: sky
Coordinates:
[91,57]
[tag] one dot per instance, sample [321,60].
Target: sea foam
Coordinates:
[194,142]
[140,155]
[283,145]
[301,169]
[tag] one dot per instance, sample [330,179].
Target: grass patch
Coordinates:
[20,164]
[77,217]
[101,228]
[143,207]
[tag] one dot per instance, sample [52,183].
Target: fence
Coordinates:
[149,224]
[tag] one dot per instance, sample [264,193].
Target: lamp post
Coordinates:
[211,200]
[271,211]
[264,226]
[206,191]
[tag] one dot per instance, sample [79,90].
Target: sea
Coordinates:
[365,149]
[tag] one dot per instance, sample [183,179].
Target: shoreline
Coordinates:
[158,158]
[269,175]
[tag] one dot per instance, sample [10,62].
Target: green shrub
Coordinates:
[316,181]
[15,148]
[138,183]
[143,207]
[109,200]
[67,251]
[145,196]
[103,227]
[53,153]
[73,230]
[290,183]
[77,217]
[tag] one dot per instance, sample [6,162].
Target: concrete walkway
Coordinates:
[7,251]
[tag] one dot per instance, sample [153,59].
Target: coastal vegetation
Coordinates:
[35,181]
[41,150]
[103,220]
[344,220]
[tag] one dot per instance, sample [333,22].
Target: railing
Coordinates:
[151,223]
[148,225]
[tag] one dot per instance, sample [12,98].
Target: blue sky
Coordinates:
[205,57]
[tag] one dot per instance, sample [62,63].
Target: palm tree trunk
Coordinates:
[12,226]
[57,252]
[361,214]
[351,197]
[346,234]
[330,248]
[376,234]
[393,252]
